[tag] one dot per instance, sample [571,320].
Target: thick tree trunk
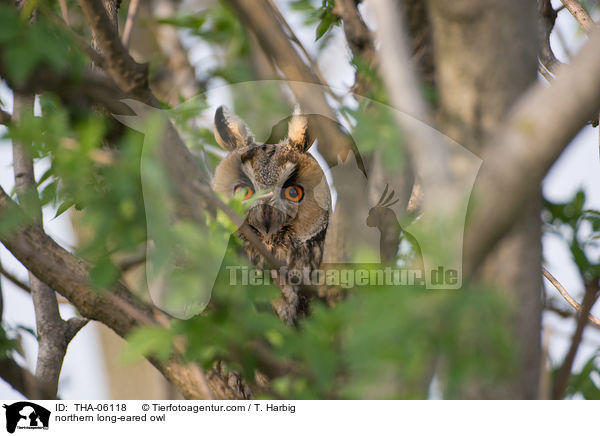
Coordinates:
[485,58]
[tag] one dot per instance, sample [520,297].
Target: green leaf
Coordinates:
[47,174]
[328,19]
[48,194]
[63,207]
[326,23]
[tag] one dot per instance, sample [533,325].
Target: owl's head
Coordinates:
[287,183]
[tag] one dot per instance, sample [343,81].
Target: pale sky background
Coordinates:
[83,375]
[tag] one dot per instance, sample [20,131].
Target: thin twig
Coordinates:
[131,15]
[580,14]
[560,288]
[566,313]
[14,280]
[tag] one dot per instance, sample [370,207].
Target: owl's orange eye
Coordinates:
[293,193]
[247,191]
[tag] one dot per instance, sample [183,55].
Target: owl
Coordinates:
[291,200]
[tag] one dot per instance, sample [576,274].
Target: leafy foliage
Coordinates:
[39,45]
[381,342]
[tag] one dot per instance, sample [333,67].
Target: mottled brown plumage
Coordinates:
[292,211]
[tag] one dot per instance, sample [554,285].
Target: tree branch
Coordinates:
[127,73]
[120,309]
[20,379]
[53,333]
[546,20]
[91,88]
[59,269]
[359,39]
[534,134]
[562,377]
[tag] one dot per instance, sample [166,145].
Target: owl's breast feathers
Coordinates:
[297,255]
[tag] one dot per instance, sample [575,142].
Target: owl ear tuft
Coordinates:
[299,136]
[230,131]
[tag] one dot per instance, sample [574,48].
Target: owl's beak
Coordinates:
[265,218]
[267,215]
